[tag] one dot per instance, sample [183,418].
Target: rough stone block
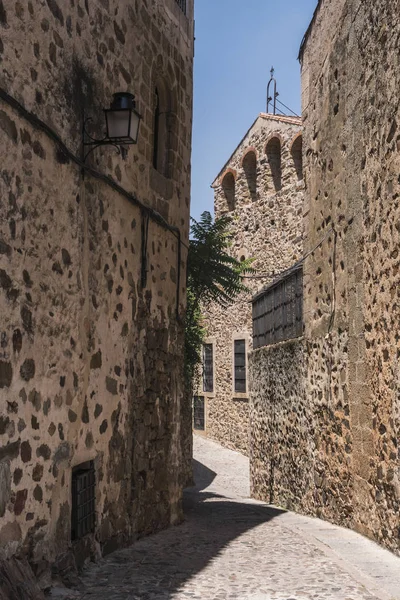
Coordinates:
[17,581]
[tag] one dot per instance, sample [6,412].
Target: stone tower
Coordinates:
[261,188]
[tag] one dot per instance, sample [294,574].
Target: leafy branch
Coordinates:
[213,276]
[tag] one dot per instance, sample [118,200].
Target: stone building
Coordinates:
[92,275]
[326,429]
[261,187]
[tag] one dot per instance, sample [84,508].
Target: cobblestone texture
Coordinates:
[229,547]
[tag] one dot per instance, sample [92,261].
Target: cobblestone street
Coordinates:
[231,547]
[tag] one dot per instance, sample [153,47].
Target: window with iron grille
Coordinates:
[83,515]
[182,5]
[199,421]
[208,368]
[240,366]
[278,310]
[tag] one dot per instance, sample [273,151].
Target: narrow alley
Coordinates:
[232,547]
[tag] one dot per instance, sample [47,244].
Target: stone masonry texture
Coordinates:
[266,209]
[90,354]
[325,409]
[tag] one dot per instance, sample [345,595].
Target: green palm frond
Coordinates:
[213,275]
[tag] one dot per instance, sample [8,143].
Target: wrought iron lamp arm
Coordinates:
[94,142]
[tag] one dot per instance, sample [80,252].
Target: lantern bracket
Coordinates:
[89,140]
[122,126]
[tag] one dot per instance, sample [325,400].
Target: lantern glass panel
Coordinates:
[117,123]
[134,129]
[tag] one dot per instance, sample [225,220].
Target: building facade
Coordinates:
[326,429]
[92,275]
[261,188]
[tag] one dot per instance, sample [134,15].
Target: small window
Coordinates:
[240,366]
[297,156]
[278,310]
[163,127]
[182,5]
[274,159]
[83,516]
[228,188]
[208,368]
[250,170]
[198,413]
[156,143]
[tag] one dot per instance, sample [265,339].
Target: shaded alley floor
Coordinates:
[231,547]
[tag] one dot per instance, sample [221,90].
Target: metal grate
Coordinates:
[182,5]
[278,310]
[199,413]
[208,370]
[240,366]
[83,501]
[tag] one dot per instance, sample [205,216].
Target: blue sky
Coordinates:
[237,42]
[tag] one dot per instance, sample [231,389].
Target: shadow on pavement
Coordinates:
[203,476]
[157,567]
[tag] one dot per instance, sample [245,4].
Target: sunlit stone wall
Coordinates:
[90,358]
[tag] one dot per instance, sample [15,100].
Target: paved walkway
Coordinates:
[233,548]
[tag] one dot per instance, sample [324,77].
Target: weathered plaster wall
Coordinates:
[90,362]
[351,142]
[267,226]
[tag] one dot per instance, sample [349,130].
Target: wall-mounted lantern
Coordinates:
[122,124]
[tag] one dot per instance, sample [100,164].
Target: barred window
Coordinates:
[278,310]
[240,366]
[182,5]
[83,514]
[199,421]
[208,368]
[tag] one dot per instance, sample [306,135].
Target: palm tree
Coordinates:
[213,275]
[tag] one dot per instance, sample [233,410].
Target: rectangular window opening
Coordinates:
[83,516]
[240,366]
[182,5]
[199,423]
[208,368]
[278,310]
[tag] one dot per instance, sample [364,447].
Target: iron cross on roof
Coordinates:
[272,99]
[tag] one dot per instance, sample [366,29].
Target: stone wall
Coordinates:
[301,444]
[18,581]
[351,141]
[267,226]
[91,354]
